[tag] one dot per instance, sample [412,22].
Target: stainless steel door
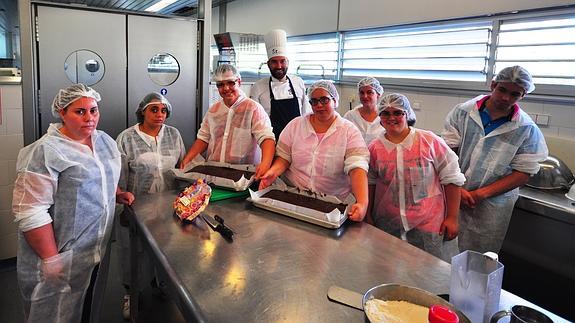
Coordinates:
[150,37]
[62,32]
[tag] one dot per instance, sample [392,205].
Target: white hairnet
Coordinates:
[370,81]
[326,85]
[516,75]
[223,69]
[152,98]
[398,101]
[71,94]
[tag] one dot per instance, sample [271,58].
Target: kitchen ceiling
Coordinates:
[179,7]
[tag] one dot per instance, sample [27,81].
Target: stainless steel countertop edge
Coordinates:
[552,204]
[189,308]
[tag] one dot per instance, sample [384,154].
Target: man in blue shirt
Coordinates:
[499,147]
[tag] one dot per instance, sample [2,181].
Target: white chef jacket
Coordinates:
[260,92]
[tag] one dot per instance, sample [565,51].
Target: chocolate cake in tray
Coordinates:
[225,172]
[324,210]
[235,177]
[305,201]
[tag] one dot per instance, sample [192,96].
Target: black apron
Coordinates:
[282,111]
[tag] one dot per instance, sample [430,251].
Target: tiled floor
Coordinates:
[153,308]
[10,304]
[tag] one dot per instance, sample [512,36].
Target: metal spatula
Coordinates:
[345,296]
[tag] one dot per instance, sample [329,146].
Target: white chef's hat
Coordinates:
[276,43]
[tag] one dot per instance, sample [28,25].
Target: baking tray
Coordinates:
[299,216]
[227,183]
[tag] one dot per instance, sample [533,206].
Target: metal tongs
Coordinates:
[217,224]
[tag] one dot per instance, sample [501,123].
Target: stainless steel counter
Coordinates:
[277,268]
[550,203]
[539,248]
[542,230]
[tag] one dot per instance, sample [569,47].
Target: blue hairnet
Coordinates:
[326,85]
[398,101]
[71,94]
[223,69]
[152,98]
[516,75]
[370,81]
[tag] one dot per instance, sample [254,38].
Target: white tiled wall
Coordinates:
[559,132]
[11,140]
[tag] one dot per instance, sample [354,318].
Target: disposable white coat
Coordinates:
[65,183]
[368,130]
[146,164]
[234,133]
[516,145]
[409,179]
[322,165]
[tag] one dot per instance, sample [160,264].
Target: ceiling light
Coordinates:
[159,5]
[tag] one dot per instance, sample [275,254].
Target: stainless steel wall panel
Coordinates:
[62,31]
[148,36]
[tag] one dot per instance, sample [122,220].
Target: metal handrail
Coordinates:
[311,65]
[260,68]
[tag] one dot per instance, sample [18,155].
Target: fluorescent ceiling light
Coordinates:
[159,5]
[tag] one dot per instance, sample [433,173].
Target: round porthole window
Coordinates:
[92,65]
[163,69]
[84,66]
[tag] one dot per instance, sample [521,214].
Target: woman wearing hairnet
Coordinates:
[365,117]
[233,127]
[414,181]
[149,150]
[323,152]
[64,200]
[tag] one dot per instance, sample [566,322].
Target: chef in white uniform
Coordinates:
[282,96]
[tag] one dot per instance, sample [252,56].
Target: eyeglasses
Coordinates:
[395,113]
[220,85]
[323,100]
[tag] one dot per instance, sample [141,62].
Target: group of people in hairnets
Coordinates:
[429,190]
[408,181]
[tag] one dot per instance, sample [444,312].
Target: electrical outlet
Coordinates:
[416,105]
[542,119]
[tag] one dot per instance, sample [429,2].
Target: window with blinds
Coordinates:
[457,52]
[3,44]
[545,46]
[311,56]
[249,61]
[463,54]
[314,56]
